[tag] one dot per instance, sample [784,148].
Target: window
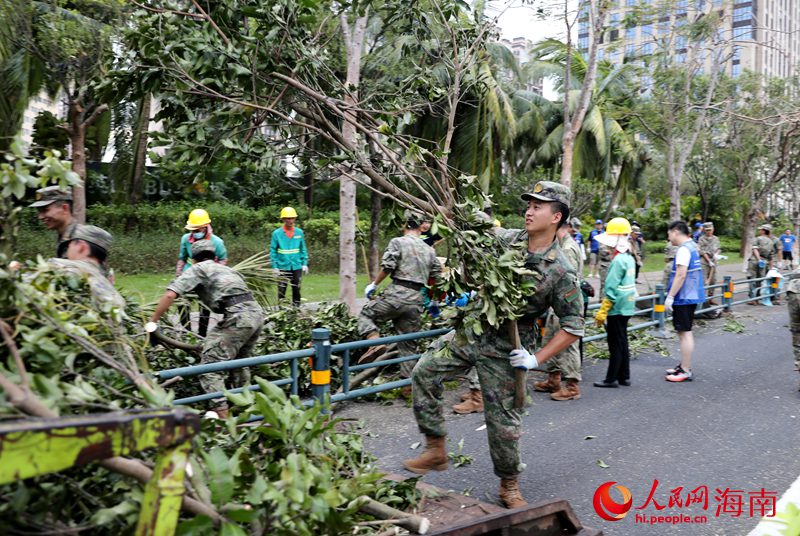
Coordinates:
[743,32]
[680,42]
[647,49]
[681,5]
[583,43]
[736,70]
[701,5]
[630,50]
[630,34]
[742,13]
[631,3]
[614,19]
[647,31]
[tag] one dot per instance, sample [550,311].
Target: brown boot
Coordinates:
[434,458]
[571,391]
[466,396]
[550,385]
[473,403]
[373,352]
[510,493]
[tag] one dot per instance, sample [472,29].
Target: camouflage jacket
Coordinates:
[636,252]
[409,258]
[765,247]
[102,289]
[572,251]
[212,282]
[793,285]
[669,252]
[556,286]
[708,245]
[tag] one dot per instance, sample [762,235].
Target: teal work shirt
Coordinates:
[185,253]
[288,253]
[620,285]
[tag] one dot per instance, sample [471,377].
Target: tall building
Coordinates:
[40,103]
[759,35]
[521,48]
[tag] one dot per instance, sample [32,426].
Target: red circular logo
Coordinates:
[608,508]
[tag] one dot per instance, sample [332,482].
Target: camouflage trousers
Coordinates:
[603,267]
[754,272]
[393,304]
[709,276]
[667,272]
[233,338]
[568,361]
[450,358]
[793,299]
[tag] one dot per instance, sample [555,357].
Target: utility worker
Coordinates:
[493,353]
[199,226]
[223,291]
[760,258]
[698,231]
[594,248]
[54,207]
[709,248]
[567,364]
[288,254]
[411,263]
[86,254]
[619,301]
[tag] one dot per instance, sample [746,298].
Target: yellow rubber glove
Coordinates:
[602,313]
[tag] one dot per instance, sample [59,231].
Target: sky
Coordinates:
[519,18]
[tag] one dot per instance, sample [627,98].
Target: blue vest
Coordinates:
[692,290]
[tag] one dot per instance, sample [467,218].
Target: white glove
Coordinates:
[150,327]
[521,358]
[711,264]
[305,270]
[369,290]
[668,303]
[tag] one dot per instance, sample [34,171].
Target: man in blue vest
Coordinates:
[288,254]
[684,291]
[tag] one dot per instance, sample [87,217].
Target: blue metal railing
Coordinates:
[322,352]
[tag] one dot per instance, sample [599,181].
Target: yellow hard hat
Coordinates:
[197,218]
[619,226]
[288,212]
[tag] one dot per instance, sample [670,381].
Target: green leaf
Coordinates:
[220,475]
[602,465]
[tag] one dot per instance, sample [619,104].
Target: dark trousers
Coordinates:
[619,361]
[293,277]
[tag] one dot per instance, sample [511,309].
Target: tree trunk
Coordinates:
[748,233]
[674,183]
[354,41]
[77,140]
[374,235]
[136,183]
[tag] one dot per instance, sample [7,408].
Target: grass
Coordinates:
[316,287]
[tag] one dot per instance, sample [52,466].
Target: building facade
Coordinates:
[756,35]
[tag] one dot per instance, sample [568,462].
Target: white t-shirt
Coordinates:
[683,256]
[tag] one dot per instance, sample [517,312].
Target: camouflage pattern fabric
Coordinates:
[407,258]
[102,290]
[708,245]
[636,253]
[489,353]
[604,256]
[212,282]
[232,338]
[568,361]
[765,247]
[62,240]
[669,255]
[793,300]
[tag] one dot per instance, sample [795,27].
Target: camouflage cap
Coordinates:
[49,195]
[708,225]
[765,227]
[549,191]
[93,234]
[201,246]
[636,229]
[575,223]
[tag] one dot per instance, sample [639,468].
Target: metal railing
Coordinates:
[322,352]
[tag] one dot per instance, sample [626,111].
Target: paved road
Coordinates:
[736,426]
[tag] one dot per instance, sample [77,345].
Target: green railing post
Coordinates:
[321,364]
[727,293]
[659,312]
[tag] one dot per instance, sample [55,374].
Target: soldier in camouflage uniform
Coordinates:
[556,287]
[85,252]
[636,249]
[793,300]
[708,247]
[224,291]
[567,364]
[760,258]
[669,256]
[604,257]
[54,207]
[411,263]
